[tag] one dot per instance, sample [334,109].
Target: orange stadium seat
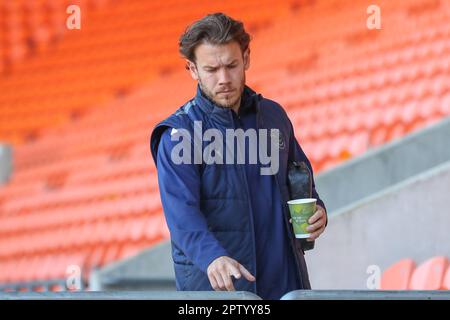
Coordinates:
[398,276]
[429,275]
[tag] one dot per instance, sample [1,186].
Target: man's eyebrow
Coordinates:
[213,67]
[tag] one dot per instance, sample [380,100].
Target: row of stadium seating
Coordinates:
[84,187]
[30,27]
[81,192]
[432,274]
[122,44]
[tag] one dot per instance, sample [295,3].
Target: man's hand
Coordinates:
[220,272]
[317,223]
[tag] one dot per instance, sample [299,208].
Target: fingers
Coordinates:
[217,282]
[246,273]
[214,283]
[317,215]
[220,273]
[213,272]
[316,234]
[229,271]
[317,225]
[228,283]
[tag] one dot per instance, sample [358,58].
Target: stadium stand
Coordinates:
[83,186]
[78,106]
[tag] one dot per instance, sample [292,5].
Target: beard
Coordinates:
[230,103]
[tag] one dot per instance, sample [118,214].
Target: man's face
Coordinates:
[220,71]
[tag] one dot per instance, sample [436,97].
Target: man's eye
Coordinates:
[231,67]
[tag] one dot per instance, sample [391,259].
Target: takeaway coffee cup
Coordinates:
[301,210]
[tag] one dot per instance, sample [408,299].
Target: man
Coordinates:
[228,220]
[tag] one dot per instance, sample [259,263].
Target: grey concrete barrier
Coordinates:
[150,270]
[130,295]
[408,220]
[5,163]
[31,286]
[366,295]
[385,166]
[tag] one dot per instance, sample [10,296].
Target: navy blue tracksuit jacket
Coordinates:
[215,210]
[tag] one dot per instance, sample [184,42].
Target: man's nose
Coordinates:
[224,76]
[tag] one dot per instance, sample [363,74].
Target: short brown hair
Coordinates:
[216,28]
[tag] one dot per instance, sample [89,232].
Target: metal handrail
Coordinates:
[366,295]
[236,295]
[130,295]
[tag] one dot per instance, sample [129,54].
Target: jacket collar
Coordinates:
[249,101]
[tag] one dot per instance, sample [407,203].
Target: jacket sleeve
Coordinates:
[296,153]
[179,186]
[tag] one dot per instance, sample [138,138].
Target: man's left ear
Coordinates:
[247,59]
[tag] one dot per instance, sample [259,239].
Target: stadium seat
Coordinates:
[398,276]
[430,274]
